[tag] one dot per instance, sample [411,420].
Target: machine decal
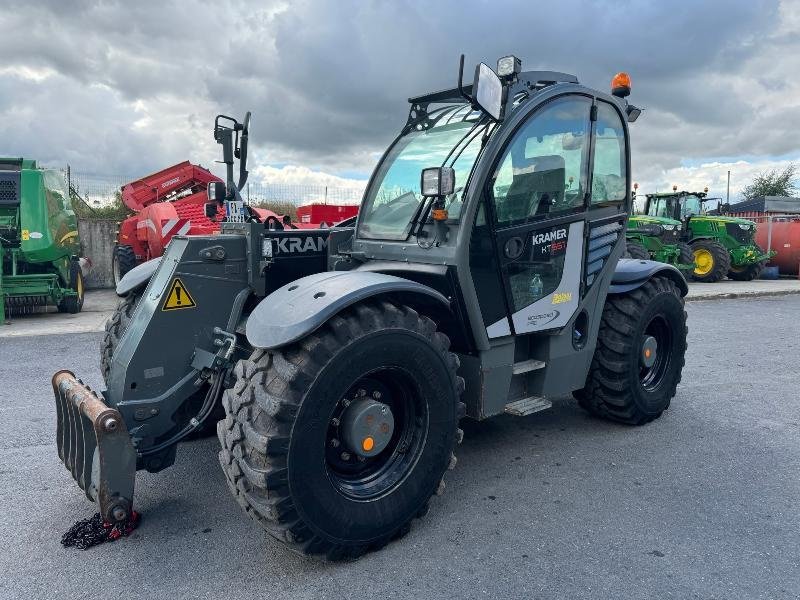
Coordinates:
[559,297]
[178,297]
[541,315]
[550,243]
[26,235]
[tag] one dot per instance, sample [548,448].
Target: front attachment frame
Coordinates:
[95,447]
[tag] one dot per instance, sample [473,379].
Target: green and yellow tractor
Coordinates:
[721,245]
[39,245]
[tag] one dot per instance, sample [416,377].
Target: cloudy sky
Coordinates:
[125,87]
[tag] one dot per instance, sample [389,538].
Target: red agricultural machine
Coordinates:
[172,202]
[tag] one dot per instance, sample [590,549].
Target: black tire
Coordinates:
[686,257]
[74,304]
[749,272]
[636,250]
[619,386]
[124,260]
[718,265]
[280,413]
[115,327]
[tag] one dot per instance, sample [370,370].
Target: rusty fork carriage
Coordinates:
[94,445]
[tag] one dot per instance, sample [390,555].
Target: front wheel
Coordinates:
[639,356]
[748,272]
[335,443]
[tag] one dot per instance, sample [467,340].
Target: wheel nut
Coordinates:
[345,456]
[334,443]
[376,394]
[335,422]
[345,402]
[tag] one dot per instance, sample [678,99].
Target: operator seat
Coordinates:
[537,183]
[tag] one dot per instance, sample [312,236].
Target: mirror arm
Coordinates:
[461,81]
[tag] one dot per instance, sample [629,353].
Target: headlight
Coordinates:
[669,227]
[744,226]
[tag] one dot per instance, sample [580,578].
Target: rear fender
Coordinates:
[301,307]
[633,273]
[138,277]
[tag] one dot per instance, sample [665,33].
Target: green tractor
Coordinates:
[721,246]
[39,243]
[659,239]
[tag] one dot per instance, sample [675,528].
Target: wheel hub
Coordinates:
[649,351]
[704,261]
[367,426]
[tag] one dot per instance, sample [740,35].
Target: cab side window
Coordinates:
[544,170]
[608,174]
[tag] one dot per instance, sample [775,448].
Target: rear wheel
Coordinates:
[711,261]
[115,327]
[73,303]
[335,443]
[636,250]
[124,260]
[639,356]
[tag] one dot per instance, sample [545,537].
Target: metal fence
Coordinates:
[99,189]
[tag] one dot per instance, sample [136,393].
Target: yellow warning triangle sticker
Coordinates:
[178,297]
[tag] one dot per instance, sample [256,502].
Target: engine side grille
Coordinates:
[743,236]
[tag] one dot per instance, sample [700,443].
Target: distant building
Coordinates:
[767,204]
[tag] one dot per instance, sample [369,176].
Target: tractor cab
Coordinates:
[678,206]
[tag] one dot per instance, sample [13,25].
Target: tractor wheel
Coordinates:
[686,256]
[747,272]
[73,304]
[335,443]
[115,327]
[636,250]
[639,356]
[124,260]
[711,261]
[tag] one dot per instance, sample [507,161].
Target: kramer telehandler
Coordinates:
[481,277]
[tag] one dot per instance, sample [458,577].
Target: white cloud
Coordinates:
[299,175]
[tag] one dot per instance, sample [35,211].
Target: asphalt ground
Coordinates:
[702,503]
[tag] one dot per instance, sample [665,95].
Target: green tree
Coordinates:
[772,183]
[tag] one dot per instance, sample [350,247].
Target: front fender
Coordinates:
[633,273]
[137,277]
[302,306]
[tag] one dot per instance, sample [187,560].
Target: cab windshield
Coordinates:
[667,206]
[393,200]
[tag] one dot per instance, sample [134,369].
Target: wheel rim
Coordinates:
[367,477]
[703,261]
[655,353]
[80,286]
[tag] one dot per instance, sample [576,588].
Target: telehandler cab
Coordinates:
[480,278]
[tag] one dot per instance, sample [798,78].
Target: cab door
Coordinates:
[534,210]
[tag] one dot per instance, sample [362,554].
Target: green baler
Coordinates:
[39,243]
